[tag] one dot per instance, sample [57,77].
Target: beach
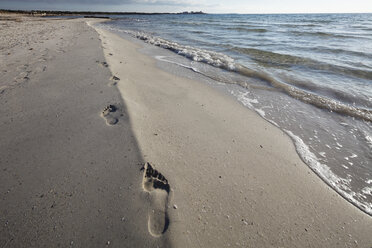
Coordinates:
[89,123]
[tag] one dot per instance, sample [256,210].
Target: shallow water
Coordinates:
[310,75]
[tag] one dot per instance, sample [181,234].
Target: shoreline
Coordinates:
[333,145]
[142,95]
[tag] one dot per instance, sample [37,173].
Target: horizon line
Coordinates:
[189,12]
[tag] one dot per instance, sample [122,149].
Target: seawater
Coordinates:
[310,75]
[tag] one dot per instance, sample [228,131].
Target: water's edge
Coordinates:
[342,185]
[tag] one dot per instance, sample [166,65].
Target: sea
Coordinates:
[308,74]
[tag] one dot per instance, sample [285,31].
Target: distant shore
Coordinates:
[89,13]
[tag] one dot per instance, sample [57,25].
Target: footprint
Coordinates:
[22,76]
[114,113]
[115,78]
[104,64]
[157,186]
[107,113]
[114,81]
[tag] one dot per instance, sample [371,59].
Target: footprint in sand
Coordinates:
[157,186]
[108,114]
[22,76]
[114,113]
[104,64]
[114,80]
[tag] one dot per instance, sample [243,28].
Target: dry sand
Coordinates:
[67,178]
[72,146]
[235,179]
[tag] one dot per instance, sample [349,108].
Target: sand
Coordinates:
[101,148]
[68,177]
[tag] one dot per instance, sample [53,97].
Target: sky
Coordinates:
[208,6]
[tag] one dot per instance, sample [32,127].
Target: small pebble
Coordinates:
[175,206]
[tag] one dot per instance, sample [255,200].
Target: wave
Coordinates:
[361,27]
[183,23]
[323,35]
[242,29]
[316,21]
[131,19]
[272,59]
[342,51]
[225,62]
[198,32]
[198,24]
[310,98]
[212,58]
[288,25]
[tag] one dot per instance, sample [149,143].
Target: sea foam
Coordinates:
[209,57]
[341,185]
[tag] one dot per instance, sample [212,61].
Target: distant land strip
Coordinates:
[89,13]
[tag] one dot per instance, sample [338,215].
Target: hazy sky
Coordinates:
[210,6]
